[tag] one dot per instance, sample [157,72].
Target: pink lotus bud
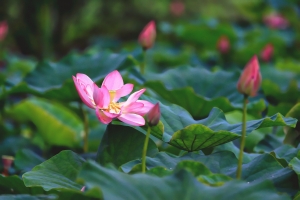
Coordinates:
[223,44]
[267,52]
[250,78]
[177,8]
[147,36]
[153,115]
[3,30]
[7,162]
[276,21]
[82,189]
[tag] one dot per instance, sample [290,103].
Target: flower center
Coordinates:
[114,108]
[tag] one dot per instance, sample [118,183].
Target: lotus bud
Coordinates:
[177,8]
[148,35]
[267,52]
[276,21]
[7,162]
[3,30]
[223,44]
[153,115]
[250,78]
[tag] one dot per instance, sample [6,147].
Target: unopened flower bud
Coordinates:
[3,30]
[267,52]
[223,44]
[7,162]
[250,78]
[148,35]
[153,115]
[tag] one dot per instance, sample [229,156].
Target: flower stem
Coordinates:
[240,162]
[143,63]
[86,130]
[145,149]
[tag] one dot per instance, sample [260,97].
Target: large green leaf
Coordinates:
[26,159]
[280,86]
[179,129]
[255,137]
[262,167]
[293,135]
[54,80]
[232,148]
[285,153]
[57,124]
[11,145]
[58,172]
[15,185]
[199,90]
[220,162]
[295,165]
[121,144]
[28,197]
[180,185]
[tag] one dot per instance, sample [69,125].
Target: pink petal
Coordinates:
[97,96]
[132,107]
[85,79]
[132,119]
[145,109]
[123,91]
[134,97]
[102,117]
[105,97]
[111,115]
[82,94]
[113,81]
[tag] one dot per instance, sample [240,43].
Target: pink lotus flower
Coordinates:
[108,108]
[148,35]
[276,21]
[267,52]
[85,89]
[3,30]
[250,78]
[153,115]
[104,99]
[223,44]
[177,8]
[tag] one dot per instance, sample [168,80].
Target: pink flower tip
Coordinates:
[250,78]
[3,30]
[267,52]
[276,21]
[223,44]
[177,7]
[153,115]
[148,35]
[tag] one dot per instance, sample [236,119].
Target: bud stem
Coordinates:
[143,63]
[145,149]
[86,130]
[240,161]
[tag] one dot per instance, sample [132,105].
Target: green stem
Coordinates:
[86,130]
[240,162]
[143,63]
[145,149]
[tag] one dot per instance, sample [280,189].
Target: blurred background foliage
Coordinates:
[51,28]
